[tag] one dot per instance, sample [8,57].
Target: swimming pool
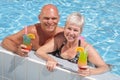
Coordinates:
[101,29]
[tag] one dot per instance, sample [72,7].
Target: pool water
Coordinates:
[101,29]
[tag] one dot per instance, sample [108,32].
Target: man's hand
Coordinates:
[22,51]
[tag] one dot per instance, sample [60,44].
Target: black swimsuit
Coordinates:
[58,52]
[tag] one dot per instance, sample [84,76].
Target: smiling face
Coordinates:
[73,27]
[71,32]
[49,18]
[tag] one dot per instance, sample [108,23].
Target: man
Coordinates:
[43,31]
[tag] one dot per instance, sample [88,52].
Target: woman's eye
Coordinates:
[69,28]
[76,30]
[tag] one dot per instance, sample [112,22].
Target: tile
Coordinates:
[33,70]
[1,77]
[8,65]
[20,68]
[4,78]
[62,74]
[1,63]
[45,74]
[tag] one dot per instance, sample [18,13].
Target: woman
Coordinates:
[64,46]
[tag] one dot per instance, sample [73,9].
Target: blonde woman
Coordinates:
[65,44]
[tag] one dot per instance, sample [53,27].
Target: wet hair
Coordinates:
[76,19]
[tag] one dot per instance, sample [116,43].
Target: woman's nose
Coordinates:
[71,32]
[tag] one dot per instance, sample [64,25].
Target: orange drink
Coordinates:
[82,61]
[27,40]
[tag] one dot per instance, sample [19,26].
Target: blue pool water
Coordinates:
[101,29]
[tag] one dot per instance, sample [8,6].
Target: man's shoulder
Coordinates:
[33,25]
[59,35]
[59,38]
[60,28]
[32,28]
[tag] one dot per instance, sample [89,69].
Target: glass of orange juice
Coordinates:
[27,40]
[82,60]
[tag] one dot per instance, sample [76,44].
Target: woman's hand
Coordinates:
[84,72]
[51,65]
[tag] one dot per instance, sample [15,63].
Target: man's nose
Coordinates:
[50,21]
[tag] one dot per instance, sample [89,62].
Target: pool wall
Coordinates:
[101,28]
[14,67]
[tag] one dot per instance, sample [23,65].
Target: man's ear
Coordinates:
[39,16]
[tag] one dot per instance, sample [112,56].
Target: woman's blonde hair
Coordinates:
[76,19]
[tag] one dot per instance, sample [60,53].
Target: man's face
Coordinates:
[49,19]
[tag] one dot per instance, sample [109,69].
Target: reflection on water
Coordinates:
[102,25]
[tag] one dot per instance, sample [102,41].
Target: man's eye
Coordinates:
[54,18]
[46,18]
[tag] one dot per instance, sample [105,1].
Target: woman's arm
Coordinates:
[43,51]
[50,46]
[95,59]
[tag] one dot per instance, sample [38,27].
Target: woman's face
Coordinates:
[71,32]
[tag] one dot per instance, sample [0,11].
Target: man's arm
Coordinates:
[13,43]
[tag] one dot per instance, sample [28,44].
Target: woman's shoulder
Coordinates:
[59,28]
[84,43]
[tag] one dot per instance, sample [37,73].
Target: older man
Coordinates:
[43,31]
